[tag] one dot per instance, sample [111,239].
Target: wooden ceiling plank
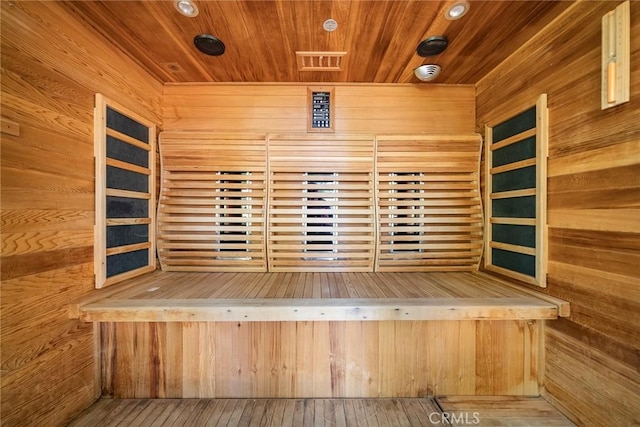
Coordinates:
[261,37]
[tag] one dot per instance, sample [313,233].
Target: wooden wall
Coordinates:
[51,67]
[320,359]
[359,108]
[592,358]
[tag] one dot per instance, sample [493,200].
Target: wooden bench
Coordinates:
[318,335]
[321,296]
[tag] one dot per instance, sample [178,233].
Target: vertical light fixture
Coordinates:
[616,50]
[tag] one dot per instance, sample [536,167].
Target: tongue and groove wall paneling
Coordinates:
[211,213]
[53,64]
[321,211]
[283,108]
[429,207]
[593,211]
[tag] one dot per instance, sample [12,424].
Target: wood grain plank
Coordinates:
[361,109]
[44,198]
[592,199]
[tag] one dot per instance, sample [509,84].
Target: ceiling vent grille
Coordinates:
[320,61]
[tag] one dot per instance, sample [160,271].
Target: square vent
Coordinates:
[320,61]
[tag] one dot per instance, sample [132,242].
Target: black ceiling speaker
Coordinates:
[209,44]
[432,46]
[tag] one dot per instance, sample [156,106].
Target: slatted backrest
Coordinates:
[211,212]
[321,210]
[429,206]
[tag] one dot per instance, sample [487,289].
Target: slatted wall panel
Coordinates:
[321,212]
[429,206]
[211,214]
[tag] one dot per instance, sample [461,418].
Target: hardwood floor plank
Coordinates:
[257,413]
[395,413]
[162,410]
[319,412]
[483,411]
[276,408]
[501,410]
[298,412]
[146,415]
[350,412]
[309,408]
[339,413]
[99,410]
[172,415]
[186,413]
[242,413]
[119,418]
[208,413]
[418,416]
[227,409]
[374,413]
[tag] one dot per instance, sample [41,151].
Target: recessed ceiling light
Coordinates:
[457,10]
[187,8]
[330,25]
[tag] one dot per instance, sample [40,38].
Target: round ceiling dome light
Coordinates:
[427,72]
[457,10]
[432,46]
[206,43]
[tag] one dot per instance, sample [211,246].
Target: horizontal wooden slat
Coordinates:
[212,228]
[436,201]
[127,248]
[513,166]
[441,228]
[128,275]
[224,187]
[428,245]
[419,210]
[127,194]
[514,248]
[128,166]
[513,139]
[110,222]
[207,211]
[253,247]
[514,221]
[234,310]
[514,193]
[431,177]
[126,138]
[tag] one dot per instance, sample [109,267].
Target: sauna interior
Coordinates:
[293,213]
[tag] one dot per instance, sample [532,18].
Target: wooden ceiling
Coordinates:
[261,37]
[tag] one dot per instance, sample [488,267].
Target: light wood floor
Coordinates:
[475,411]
